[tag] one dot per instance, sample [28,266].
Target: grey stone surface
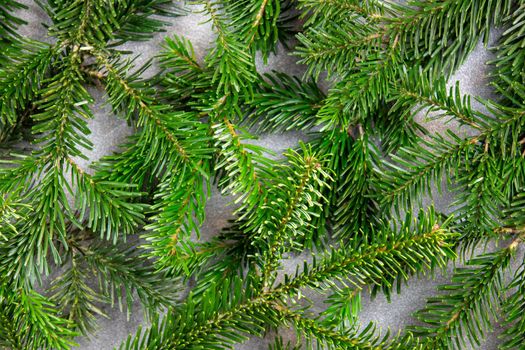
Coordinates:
[108,132]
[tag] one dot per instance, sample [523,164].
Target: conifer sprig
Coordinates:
[232,308]
[464,313]
[515,321]
[340,194]
[40,224]
[26,64]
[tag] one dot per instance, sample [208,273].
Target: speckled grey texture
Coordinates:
[108,132]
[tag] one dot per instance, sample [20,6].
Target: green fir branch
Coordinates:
[514,307]
[464,312]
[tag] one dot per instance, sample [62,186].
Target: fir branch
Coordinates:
[381,45]
[164,130]
[420,91]
[121,273]
[128,94]
[419,167]
[178,55]
[510,61]
[355,210]
[246,166]
[480,199]
[234,67]
[11,211]
[107,205]
[183,76]
[77,301]
[433,158]
[320,336]
[236,313]
[340,34]
[9,336]
[285,103]
[337,47]
[257,23]
[26,251]
[355,264]
[228,314]
[181,200]
[322,12]
[188,119]
[302,201]
[514,218]
[27,63]
[62,123]
[77,21]
[514,312]
[100,22]
[464,312]
[63,113]
[443,33]
[344,305]
[137,21]
[33,322]
[359,93]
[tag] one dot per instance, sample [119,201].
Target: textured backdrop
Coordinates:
[108,132]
